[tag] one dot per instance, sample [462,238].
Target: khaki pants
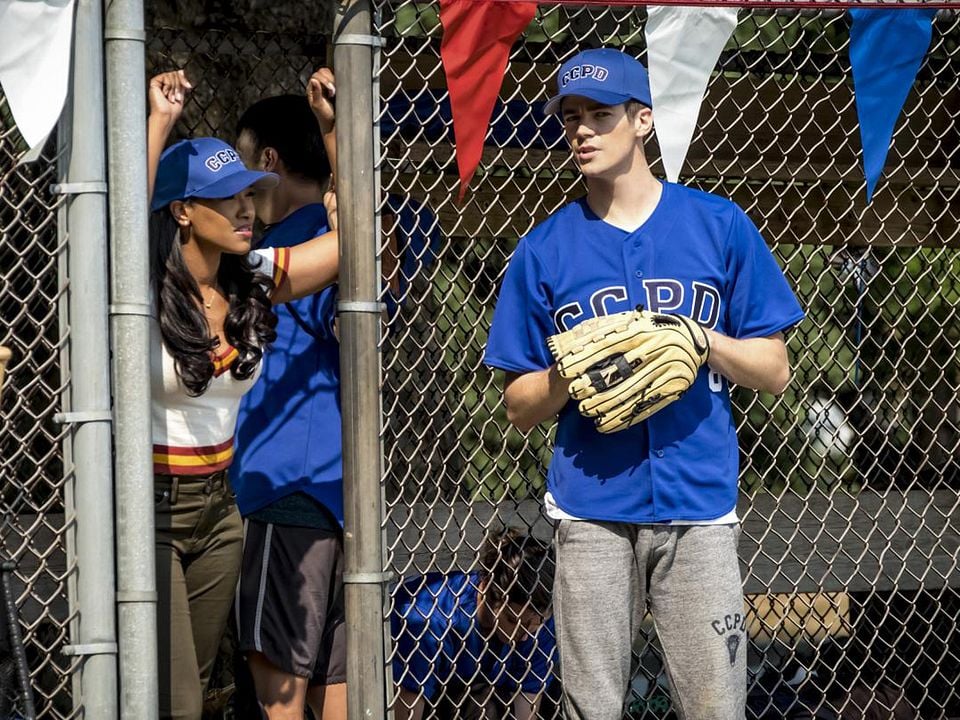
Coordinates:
[198,549]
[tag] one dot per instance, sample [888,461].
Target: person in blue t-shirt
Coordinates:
[287,471]
[288,467]
[647,513]
[479,640]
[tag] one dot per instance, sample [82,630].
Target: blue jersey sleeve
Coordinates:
[760,302]
[532,664]
[522,319]
[325,311]
[316,313]
[417,649]
[418,237]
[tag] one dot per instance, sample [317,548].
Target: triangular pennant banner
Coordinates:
[886,50]
[477,37]
[35,64]
[683,46]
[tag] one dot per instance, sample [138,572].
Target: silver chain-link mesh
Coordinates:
[850,478]
[32,519]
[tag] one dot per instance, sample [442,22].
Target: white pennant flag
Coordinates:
[683,46]
[35,63]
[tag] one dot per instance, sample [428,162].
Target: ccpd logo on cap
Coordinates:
[203,168]
[221,158]
[606,76]
[597,72]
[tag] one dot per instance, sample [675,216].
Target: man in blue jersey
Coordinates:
[288,471]
[481,641]
[288,468]
[648,514]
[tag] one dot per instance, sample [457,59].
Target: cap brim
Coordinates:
[604,98]
[237,182]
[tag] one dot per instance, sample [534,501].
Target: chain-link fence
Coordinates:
[851,528]
[33,524]
[849,479]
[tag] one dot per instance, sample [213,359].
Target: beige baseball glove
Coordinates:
[627,366]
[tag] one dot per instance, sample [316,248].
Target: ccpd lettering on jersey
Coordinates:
[697,300]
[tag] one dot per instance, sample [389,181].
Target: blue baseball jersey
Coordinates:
[437,638]
[697,255]
[288,435]
[418,237]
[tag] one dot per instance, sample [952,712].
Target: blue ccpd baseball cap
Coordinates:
[607,76]
[203,168]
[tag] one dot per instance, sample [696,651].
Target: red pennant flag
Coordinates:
[477,37]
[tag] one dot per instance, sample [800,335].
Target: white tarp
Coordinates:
[35,40]
[683,46]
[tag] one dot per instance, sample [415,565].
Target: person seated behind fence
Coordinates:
[857,685]
[884,702]
[480,639]
[213,319]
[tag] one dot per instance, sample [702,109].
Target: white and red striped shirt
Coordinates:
[194,435]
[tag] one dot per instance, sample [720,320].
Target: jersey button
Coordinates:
[639,273]
[659,453]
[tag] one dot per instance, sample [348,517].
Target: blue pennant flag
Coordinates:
[886,49]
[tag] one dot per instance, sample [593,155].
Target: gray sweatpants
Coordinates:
[606,572]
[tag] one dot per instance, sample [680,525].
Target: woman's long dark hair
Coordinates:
[250,321]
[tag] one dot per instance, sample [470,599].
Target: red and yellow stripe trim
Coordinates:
[224,359]
[281,265]
[202,460]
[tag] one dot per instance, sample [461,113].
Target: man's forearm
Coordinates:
[757,363]
[525,705]
[534,397]
[409,705]
[159,128]
[329,136]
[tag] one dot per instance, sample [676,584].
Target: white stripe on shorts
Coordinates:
[263,587]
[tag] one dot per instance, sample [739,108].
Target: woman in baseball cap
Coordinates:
[212,306]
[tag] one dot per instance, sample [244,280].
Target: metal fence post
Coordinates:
[359,311]
[130,312]
[84,182]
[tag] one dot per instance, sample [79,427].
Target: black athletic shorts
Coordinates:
[290,600]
